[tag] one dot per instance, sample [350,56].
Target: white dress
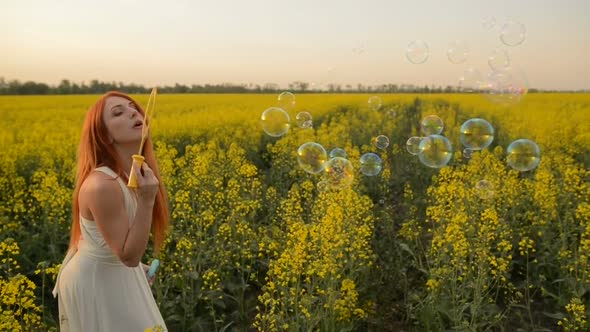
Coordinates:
[96,291]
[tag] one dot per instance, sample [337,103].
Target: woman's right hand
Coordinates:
[147,183]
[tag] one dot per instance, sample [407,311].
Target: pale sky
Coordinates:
[348,42]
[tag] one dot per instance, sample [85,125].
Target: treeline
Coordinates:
[16,87]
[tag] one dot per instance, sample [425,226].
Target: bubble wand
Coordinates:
[138,158]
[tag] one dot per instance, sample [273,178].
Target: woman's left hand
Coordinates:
[145,271]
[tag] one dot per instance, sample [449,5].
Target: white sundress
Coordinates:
[96,291]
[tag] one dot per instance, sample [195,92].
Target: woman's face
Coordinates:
[123,120]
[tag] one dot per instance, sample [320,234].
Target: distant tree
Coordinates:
[32,88]
[64,87]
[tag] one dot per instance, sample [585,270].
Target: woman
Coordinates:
[101,285]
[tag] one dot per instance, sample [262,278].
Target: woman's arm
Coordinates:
[106,203]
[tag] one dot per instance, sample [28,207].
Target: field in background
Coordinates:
[255,244]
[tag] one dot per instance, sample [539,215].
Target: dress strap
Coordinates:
[106,170]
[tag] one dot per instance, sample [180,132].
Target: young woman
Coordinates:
[102,285]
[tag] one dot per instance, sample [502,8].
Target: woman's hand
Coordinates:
[147,183]
[145,271]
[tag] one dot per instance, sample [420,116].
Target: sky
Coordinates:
[156,43]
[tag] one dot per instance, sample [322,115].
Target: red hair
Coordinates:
[95,151]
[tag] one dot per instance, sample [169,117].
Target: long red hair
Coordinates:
[95,150]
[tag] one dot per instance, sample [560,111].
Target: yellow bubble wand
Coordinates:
[138,158]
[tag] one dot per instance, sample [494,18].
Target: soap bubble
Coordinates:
[311,157]
[431,125]
[458,52]
[381,142]
[413,144]
[275,121]
[523,155]
[286,100]
[471,81]
[371,164]
[506,86]
[467,153]
[339,173]
[304,120]
[499,59]
[417,52]
[374,103]
[513,33]
[435,151]
[488,22]
[476,134]
[338,152]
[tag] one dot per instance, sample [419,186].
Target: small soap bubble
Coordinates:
[476,134]
[413,144]
[374,103]
[513,33]
[381,142]
[523,155]
[458,52]
[431,125]
[304,120]
[338,152]
[488,22]
[275,121]
[311,157]
[417,52]
[435,151]
[371,164]
[286,100]
[339,173]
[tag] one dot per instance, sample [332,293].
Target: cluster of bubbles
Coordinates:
[275,120]
[505,84]
[434,150]
[337,170]
[312,157]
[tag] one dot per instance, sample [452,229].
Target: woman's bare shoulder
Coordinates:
[97,187]
[98,182]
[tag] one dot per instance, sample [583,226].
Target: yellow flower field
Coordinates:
[256,244]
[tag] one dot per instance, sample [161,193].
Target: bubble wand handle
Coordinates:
[137,163]
[153,267]
[138,159]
